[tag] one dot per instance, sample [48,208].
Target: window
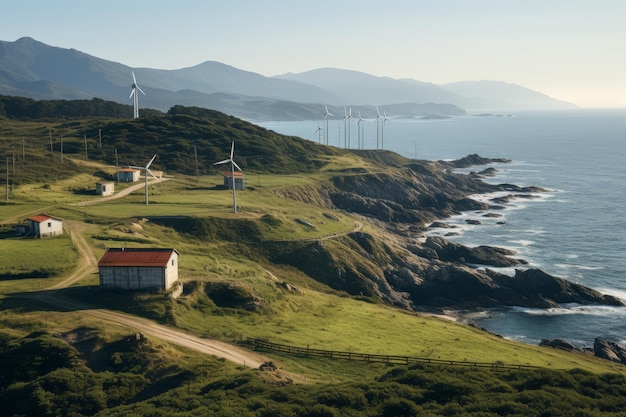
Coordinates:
[49,224]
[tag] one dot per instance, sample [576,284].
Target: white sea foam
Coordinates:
[575,309]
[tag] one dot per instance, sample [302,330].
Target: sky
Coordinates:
[572,50]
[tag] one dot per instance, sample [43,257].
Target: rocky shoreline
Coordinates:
[422,273]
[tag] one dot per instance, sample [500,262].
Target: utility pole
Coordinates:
[7,193]
[195,154]
[117,167]
[13,159]
[100,138]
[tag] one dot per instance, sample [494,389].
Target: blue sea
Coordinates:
[577,230]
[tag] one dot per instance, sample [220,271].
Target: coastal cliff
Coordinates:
[406,267]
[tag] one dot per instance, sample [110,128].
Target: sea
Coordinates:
[576,230]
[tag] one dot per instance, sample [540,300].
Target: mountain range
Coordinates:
[33,69]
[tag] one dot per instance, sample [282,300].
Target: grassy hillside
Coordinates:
[288,267]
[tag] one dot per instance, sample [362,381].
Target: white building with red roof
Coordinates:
[43,225]
[138,268]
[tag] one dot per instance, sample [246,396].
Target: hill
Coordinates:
[326,252]
[32,69]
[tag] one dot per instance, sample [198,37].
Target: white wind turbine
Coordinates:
[146,171]
[382,131]
[346,127]
[378,116]
[233,165]
[326,116]
[134,94]
[319,131]
[361,132]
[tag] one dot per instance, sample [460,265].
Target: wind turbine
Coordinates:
[361,132]
[378,116]
[135,95]
[233,165]
[346,130]
[146,171]
[382,131]
[326,116]
[319,131]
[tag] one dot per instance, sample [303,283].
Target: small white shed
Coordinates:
[105,188]
[43,225]
[138,268]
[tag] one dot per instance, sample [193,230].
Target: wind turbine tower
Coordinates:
[326,116]
[382,131]
[233,165]
[361,132]
[346,128]
[378,116]
[146,171]
[134,94]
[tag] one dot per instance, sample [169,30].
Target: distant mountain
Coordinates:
[501,95]
[29,68]
[353,87]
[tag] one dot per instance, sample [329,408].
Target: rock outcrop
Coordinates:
[430,274]
[609,350]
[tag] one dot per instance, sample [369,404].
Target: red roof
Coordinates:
[230,174]
[136,257]
[40,218]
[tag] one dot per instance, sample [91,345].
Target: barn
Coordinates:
[239,180]
[43,225]
[138,268]
[128,175]
[105,188]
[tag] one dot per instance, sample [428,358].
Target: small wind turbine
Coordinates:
[233,165]
[361,132]
[378,116]
[319,131]
[326,116]
[135,96]
[146,171]
[382,131]
[346,127]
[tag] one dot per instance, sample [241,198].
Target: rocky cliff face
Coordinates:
[403,268]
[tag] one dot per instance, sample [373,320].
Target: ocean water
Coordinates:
[577,230]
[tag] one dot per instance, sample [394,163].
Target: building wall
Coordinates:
[105,188]
[48,228]
[140,277]
[239,183]
[132,277]
[128,176]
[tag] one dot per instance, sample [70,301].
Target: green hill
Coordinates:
[323,254]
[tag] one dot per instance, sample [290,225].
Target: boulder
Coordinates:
[609,350]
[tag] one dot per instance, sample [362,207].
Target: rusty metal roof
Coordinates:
[137,257]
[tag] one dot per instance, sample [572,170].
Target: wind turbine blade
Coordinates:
[150,163]
[377,111]
[131,93]
[236,166]
[222,162]
[153,176]
[134,79]
[139,88]
[232,151]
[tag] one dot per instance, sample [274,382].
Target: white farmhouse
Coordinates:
[43,225]
[139,268]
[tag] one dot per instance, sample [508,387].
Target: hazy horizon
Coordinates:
[569,50]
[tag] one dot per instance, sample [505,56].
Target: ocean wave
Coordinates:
[574,309]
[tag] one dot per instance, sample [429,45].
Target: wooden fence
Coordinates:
[264,345]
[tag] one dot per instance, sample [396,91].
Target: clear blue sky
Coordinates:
[574,50]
